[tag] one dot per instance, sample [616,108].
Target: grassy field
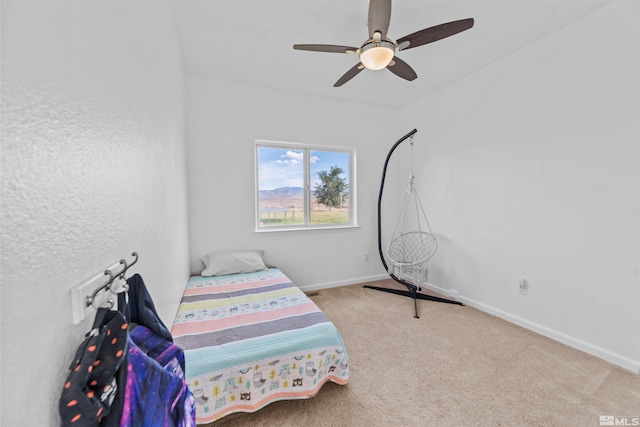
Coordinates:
[333,216]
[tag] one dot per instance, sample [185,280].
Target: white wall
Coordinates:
[93,168]
[533,166]
[224,120]
[527,169]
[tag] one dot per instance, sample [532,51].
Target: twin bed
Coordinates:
[252,338]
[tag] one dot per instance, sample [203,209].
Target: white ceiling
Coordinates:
[251,42]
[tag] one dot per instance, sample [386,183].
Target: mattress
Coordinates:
[254,338]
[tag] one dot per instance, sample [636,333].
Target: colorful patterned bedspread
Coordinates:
[252,339]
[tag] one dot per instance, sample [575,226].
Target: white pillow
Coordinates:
[232,262]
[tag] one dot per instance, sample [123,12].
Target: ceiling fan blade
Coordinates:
[379,17]
[432,34]
[325,48]
[402,69]
[349,75]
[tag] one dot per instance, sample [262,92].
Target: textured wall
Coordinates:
[93,168]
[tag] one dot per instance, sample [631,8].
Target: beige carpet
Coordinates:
[455,366]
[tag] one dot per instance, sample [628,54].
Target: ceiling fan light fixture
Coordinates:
[377,55]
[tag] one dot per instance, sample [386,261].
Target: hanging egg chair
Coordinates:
[412,243]
[410,249]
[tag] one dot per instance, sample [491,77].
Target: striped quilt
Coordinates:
[252,339]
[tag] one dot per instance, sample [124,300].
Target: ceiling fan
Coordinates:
[378,51]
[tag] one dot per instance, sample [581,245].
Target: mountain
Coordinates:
[282,192]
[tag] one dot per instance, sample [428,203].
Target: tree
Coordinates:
[330,191]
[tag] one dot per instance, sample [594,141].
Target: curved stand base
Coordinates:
[415,295]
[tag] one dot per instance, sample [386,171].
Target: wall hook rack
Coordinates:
[95,291]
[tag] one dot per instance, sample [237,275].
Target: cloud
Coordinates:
[293,155]
[291,158]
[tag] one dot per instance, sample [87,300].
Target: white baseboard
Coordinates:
[616,359]
[328,285]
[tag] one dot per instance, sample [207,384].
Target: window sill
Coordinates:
[316,228]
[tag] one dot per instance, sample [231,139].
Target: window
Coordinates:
[304,186]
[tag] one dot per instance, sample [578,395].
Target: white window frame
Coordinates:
[306,148]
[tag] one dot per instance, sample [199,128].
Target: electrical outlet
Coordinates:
[523,286]
[366,257]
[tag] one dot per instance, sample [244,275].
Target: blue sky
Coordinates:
[284,167]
